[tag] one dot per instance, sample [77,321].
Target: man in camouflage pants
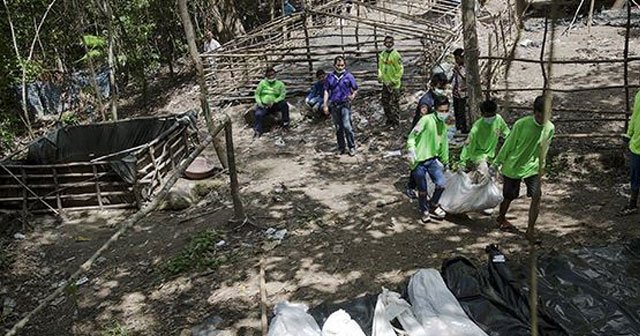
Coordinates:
[390,72]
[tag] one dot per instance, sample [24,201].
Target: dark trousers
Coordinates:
[460,112]
[391,104]
[261,112]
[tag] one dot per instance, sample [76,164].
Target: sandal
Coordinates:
[505,226]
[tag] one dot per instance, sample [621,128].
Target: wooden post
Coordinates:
[57,186]
[590,19]
[489,71]
[307,44]
[95,177]
[626,67]
[340,20]
[544,42]
[25,195]
[534,208]
[471,54]
[238,208]
[357,32]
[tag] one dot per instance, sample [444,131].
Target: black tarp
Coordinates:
[493,298]
[85,142]
[593,290]
[361,310]
[586,291]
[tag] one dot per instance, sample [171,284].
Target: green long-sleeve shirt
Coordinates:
[390,68]
[633,132]
[520,154]
[270,92]
[428,139]
[483,140]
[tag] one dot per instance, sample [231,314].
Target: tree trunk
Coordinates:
[471,54]
[195,57]
[112,67]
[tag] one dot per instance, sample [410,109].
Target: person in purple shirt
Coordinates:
[339,90]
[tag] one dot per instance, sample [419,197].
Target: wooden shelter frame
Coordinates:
[299,44]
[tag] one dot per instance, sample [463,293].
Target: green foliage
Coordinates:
[9,129]
[200,253]
[115,330]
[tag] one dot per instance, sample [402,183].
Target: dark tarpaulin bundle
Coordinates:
[593,290]
[361,310]
[493,298]
[85,142]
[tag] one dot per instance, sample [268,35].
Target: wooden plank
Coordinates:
[67,197]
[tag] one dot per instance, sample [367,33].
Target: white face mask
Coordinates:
[489,120]
[340,71]
[439,92]
[442,116]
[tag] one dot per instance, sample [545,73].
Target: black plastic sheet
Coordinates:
[594,290]
[360,309]
[493,297]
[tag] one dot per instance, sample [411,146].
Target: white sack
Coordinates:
[340,323]
[390,306]
[435,307]
[461,195]
[292,320]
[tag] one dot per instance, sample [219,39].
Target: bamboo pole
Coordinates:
[132,220]
[626,65]
[590,19]
[557,61]
[534,208]
[307,45]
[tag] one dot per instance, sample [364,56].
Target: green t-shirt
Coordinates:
[390,68]
[520,154]
[633,132]
[270,92]
[483,140]
[428,139]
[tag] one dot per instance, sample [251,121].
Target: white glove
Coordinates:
[411,156]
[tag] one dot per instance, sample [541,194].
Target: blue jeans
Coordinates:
[314,103]
[261,112]
[434,169]
[341,116]
[635,172]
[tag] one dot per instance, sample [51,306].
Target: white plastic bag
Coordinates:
[436,308]
[389,307]
[292,320]
[340,324]
[461,195]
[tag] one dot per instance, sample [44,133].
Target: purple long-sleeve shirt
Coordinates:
[340,86]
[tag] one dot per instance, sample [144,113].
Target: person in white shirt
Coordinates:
[210,44]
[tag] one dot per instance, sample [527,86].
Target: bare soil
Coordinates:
[350,229]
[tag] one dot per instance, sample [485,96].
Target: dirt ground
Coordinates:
[350,230]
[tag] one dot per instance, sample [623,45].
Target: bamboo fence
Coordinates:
[299,44]
[93,184]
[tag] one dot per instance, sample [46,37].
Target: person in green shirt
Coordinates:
[390,72]
[633,137]
[428,152]
[483,139]
[270,98]
[519,159]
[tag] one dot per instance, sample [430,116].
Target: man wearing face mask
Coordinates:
[459,91]
[340,89]
[428,152]
[483,139]
[519,159]
[390,72]
[269,96]
[438,85]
